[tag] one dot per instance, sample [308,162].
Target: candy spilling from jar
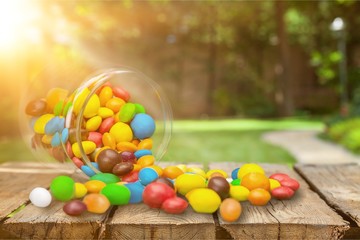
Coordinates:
[98,128]
[171,189]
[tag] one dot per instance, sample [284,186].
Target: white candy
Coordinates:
[40,197]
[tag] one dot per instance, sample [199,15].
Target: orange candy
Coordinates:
[115,104]
[146,144]
[259,197]
[230,210]
[172,172]
[255,180]
[105,95]
[146,161]
[94,186]
[109,140]
[96,203]
[126,146]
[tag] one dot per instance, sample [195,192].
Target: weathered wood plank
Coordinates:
[306,215]
[339,185]
[138,221]
[51,222]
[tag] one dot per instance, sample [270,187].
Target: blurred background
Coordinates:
[231,70]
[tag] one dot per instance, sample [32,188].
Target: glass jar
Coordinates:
[119,109]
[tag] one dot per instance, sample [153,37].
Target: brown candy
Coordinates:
[74,208]
[220,185]
[123,168]
[166,181]
[107,160]
[36,108]
[72,135]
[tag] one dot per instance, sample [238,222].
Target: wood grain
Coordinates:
[51,222]
[138,221]
[339,185]
[306,215]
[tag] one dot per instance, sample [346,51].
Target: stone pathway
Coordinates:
[307,148]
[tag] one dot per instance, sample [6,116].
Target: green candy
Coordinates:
[66,108]
[116,194]
[236,182]
[63,188]
[106,178]
[127,112]
[58,108]
[139,108]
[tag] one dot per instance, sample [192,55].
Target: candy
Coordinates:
[107,159]
[87,170]
[127,157]
[196,170]
[58,108]
[282,193]
[66,108]
[88,147]
[274,184]
[106,125]
[230,210]
[136,190]
[92,107]
[74,208]
[220,185]
[116,194]
[255,180]
[147,175]
[142,152]
[80,190]
[77,162]
[121,93]
[158,169]
[46,139]
[62,188]
[139,108]
[146,161]
[105,95]
[249,168]
[54,96]
[239,193]
[203,200]
[65,136]
[166,181]
[96,203]
[96,138]
[142,125]
[188,181]
[36,108]
[156,193]
[131,177]
[259,197]
[105,112]
[210,172]
[94,186]
[106,178]
[172,172]
[53,126]
[40,123]
[93,123]
[56,141]
[174,205]
[122,168]
[291,183]
[122,132]
[126,146]
[115,104]
[127,112]
[109,140]
[236,182]
[146,143]
[279,176]
[40,197]
[234,173]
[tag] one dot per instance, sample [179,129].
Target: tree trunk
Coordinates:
[284,93]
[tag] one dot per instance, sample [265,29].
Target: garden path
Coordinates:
[307,148]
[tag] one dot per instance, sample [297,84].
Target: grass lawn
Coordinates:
[206,141]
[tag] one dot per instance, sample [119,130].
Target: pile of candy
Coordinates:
[171,189]
[115,133]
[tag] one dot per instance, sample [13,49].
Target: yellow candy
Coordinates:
[126,146]
[197,170]
[40,123]
[158,169]
[146,161]
[80,190]
[54,96]
[122,132]
[46,139]
[183,167]
[137,167]
[80,99]
[189,181]
[239,193]
[109,140]
[115,104]
[88,147]
[203,200]
[94,186]
[105,112]
[147,143]
[274,184]
[248,168]
[208,174]
[92,107]
[105,95]
[93,123]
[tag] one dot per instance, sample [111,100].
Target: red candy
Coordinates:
[106,125]
[279,176]
[174,205]
[291,183]
[156,193]
[77,162]
[282,193]
[121,93]
[130,177]
[96,138]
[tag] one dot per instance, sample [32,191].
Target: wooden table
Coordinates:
[326,206]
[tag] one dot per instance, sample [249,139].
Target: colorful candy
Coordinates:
[203,200]
[116,194]
[96,203]
[74,208]
[62,188]
[230,210]
[107,159]
[40,197]
[174,205]
[220,185]
[156,193]
[189,181]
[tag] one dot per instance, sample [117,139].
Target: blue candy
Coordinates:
[64,135]
[143,152]
[143,125]
[136,189]
[52,126]
[61,124]
[55,141]
[147,175]
[234,173]
[87,170]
